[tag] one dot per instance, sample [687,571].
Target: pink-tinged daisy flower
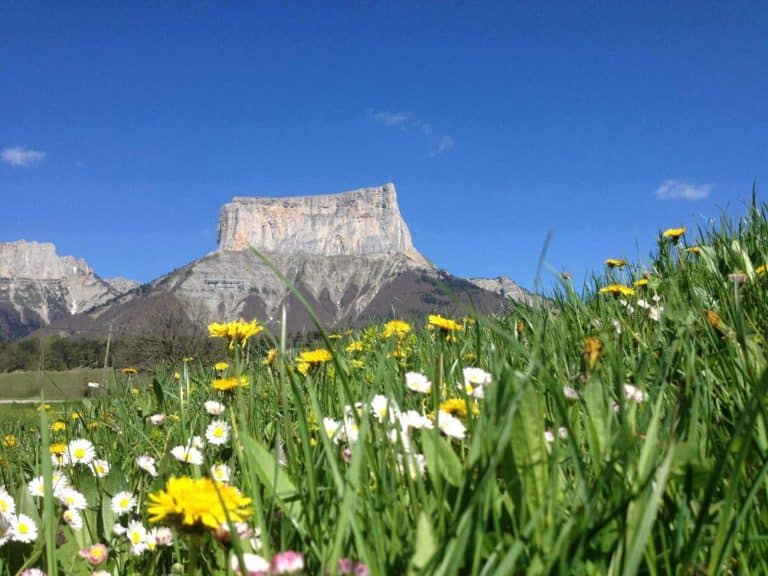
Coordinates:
[288,562]
[95,554]
[73,519]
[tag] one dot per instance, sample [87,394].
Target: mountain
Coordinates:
[350,255]
[37,287]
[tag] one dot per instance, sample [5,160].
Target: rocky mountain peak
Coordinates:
[360,222]
[37,287]
[38,261]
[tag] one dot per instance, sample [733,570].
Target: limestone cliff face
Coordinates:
[38,261]
[349,255]
[37,286]
[358,223]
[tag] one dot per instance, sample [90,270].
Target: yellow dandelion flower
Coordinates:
[271,356]
[396,328]
[198,503]
[130,371]
[318,356]
[9,441]
[335,337]
[642,283]
[457,407]
[58,426]
[187,359]
[617,290]
[229,384]
[593,349]
[57,448]
[762,269]
[674,234]
[220,366]
[615,262]
[238,332]
[437,321]
[693,249]
[355,346]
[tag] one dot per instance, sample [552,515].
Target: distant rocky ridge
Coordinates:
[505,287]
[37,287]
[350,255]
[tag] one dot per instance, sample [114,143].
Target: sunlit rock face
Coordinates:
[349,255]
[37,286]
[358,223]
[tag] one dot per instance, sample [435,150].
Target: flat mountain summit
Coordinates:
[350,255]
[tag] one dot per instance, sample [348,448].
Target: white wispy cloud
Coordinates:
[446,143]
[20,156]
[390,118]
[679,190]
[407,122]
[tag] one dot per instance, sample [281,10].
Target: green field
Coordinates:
[65,385]
[619,430]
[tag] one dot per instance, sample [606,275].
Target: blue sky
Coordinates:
[125,126]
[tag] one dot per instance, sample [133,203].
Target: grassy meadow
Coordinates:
[620,430]
[53,385]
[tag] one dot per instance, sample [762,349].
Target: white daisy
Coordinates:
[73,499]
[217,432]
[162,535]
[254,564]
[413,419]
[123,503]
[418,382]
[475,379]
[214,408]
[7,505]
[188,454]
[81,451]
[100,468]
[450,425]
[23,529]
[634,393]
[379,407]
[412,464]
[73,519]
[331,428]
[6,530]
[157,419]
[119,530]
[221,473]
[36,488]
[147,463]
[137,536]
